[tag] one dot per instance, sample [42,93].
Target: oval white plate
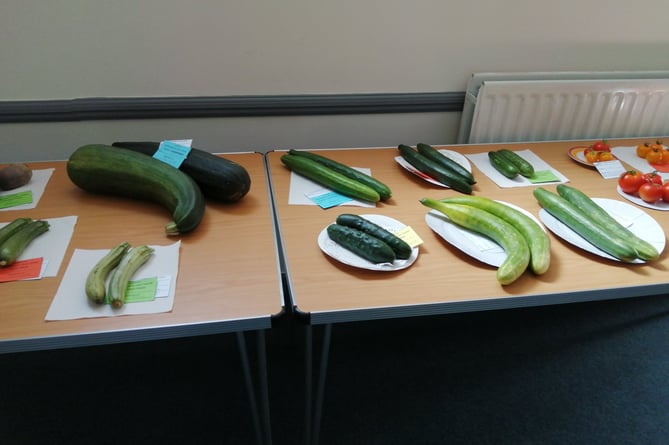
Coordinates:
[345,256]
[636,220]
[454,155]
[659,205]
[473,244]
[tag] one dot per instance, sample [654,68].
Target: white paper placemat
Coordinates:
[628,156]
[482,162]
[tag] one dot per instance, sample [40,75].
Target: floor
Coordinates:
[585,373]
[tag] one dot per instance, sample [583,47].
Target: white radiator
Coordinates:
[576,106]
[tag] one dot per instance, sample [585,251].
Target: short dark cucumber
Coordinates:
[362,244]
[524,168]
[502,165]
[400,247]
[382,189]
[433,154]
[12,248]
[329,178]
[434,170]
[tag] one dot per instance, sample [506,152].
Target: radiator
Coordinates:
[575,106]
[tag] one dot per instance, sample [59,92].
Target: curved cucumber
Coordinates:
[598,215]
[400,247]
[362,244]
[580,222]
[537,239]
[502,165]
[524,168]
[433,154]
[12,248]
[495,228]
[434,170]
[382,189]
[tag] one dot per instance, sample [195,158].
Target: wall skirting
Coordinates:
[227,106]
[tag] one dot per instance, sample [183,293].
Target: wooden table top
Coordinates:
[443,279]
[229,279]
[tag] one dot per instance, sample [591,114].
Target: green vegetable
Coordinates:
[400,247]
[95,281]
[434,170]
[536,238]
[495,228]
[329,178]
[362,244]
[598,215]
[219,178]
[9,229]
[382,189]
[580,222]
[13,247]
[502,165]
[524,168]
[130,263]
[123,172]
[433,154]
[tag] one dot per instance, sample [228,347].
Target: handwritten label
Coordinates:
[409,236]
[141,290]
[610,169]
[172,153]
[16,199]
[327,199]
[22,270]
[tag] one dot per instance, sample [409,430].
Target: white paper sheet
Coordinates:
[70,301]
[300,187]
[36,185]
[482,162]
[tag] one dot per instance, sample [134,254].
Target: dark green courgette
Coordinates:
[219,178]
[434,170]
[400,247]
[13,247]
[12,227]
[362,244]
[433,154]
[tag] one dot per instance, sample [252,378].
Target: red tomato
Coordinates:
[665,192]
[630,181]
[650,192]
[601,146]
[653,177]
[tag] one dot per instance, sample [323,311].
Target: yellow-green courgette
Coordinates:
[118,282]
[122,172]
[95,281]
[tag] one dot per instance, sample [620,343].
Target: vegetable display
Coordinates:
[439,171]
[647,186]
[123,172]
[16,236]
[654,153]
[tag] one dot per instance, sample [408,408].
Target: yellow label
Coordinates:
[409,236]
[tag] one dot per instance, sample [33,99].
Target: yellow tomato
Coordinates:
[642,150]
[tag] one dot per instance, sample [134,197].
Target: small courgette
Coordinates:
[400,247]
[362,244]
[13,247]
[95,281]
[130,263]
[11,228]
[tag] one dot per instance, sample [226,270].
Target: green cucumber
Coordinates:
[13,247]
[434,170]
[580,222]
[524,168]
[329,178]
[598,215]
[11,228]
[502,165]
[433,154]
[123,172]
[493,227]
[400,247]
[382,189]
[362,244]
[537,239]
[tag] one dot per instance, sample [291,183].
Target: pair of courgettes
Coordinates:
[16,236]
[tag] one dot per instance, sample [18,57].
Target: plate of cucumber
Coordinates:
[344,255]
[452,155]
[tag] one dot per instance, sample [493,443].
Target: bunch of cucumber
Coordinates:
[15,237]
[367,239]
[525,242]
[510,164]
[428,160]
[336,176]
[121,262]
[581,214]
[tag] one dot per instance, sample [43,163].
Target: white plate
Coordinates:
[453,155]
[659,205]
[635,219]
[345,256]
[472,243]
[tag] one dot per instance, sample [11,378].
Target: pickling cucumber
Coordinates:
[502,165]
[524,168]
[400,247]
[362,244]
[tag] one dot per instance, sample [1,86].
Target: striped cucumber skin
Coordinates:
[9,229]
[524,168]
[329,178]
[598,215]
[536,238]
[495,228]
[400,247]
[12,248]
[502,165]
[118,282]
[382,189]
[434,170]
[362,244]
[580,222]
[433,154]
[95,280]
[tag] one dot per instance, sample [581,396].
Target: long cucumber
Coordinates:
[537,239]
[433,154]
[495,228]
[580,222]
[434,170]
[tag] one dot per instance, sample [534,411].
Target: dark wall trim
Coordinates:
[226,106]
